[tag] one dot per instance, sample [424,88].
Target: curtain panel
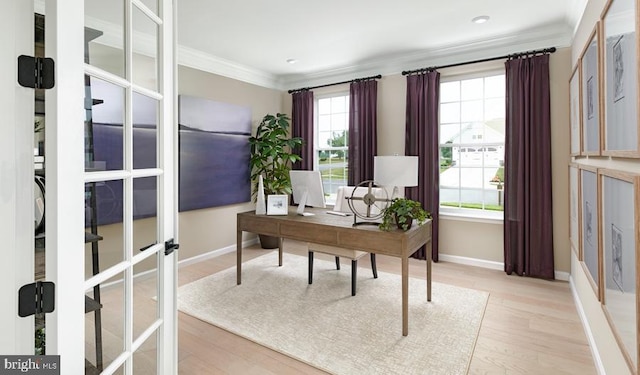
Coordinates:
[421,139]
[528,219]
[302,126]
[363,136]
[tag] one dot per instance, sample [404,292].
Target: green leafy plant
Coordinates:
[271,154]
[402,212]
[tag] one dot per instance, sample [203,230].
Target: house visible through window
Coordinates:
[472,135]
[331,148]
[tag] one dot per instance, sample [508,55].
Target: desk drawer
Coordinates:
[260,226]
[314,233]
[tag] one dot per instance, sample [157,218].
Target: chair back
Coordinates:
[344,192]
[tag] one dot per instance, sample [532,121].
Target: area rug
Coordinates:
[323,325]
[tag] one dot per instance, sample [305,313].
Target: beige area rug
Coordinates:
[323,325]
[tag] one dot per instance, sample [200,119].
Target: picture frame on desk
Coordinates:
[277,204]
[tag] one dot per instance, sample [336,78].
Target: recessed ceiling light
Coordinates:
[292,61]
[480,19]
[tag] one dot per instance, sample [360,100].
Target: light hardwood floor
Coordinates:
[530,326]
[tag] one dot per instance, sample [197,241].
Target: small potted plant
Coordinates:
[402,212]
[272,157]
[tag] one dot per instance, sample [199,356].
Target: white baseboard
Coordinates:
[215,253]
[559,275]
[587,329]
[472,262]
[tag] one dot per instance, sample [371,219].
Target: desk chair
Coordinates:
[343,206]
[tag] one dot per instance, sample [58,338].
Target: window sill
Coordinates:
[482,217]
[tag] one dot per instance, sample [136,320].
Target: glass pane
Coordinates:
[333,168]
[449,133]
[324,122]
[472,89]
[104,110]
[494,87]
[494,109]
[449,113]
[338,104]
[323,138]
[472,111]
[151,4]
[450,91]
[339,121]
[145,294]
[446,158]
[145,49]
[145,222]
[145,131]
[104,323]
[104,36]
[145,359]
[324,106]
[104,236]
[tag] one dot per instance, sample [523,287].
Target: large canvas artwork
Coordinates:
[214,153]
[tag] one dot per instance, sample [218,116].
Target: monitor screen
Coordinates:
[309,182]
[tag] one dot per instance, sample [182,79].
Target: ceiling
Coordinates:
[331,40]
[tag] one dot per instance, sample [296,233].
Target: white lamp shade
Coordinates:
[396,170]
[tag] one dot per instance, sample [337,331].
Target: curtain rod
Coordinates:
[337,83]
[535,52]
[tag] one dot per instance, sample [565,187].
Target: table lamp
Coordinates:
[397,171]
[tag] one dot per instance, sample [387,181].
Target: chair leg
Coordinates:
[373,266]
[354,267]
[337,263]
[310,267]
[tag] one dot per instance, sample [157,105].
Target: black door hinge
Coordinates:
[36,72]
[36,298]
[169,247]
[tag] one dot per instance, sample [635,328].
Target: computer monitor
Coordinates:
[307,190]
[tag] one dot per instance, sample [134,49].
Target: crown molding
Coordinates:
[559,37]
[199,60]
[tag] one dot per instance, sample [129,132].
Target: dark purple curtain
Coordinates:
[528,219]
[302,126]
[363,136]
[423,102]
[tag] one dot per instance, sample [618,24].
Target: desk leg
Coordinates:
[429,259]
[280,244]
[405,296]
[239,257]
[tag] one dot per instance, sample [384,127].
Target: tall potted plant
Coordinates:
[272,157]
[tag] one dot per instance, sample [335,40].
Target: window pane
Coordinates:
[449,133]
[472,111]
[324,106]
[450,112]
[494,87]
[472,132]
[494,109]
[472,89]
[450,91]
[338,104]
[339,121]
[324,122]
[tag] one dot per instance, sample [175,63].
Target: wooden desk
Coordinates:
[338,231]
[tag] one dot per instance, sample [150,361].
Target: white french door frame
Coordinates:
[16,177]
[66,179]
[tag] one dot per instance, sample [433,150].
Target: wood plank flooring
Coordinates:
[530,326]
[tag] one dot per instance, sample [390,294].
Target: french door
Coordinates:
[110,199]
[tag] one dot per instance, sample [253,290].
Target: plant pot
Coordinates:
[408,222]
[269,242]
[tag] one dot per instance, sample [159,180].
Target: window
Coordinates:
[472,134]
[331,142]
